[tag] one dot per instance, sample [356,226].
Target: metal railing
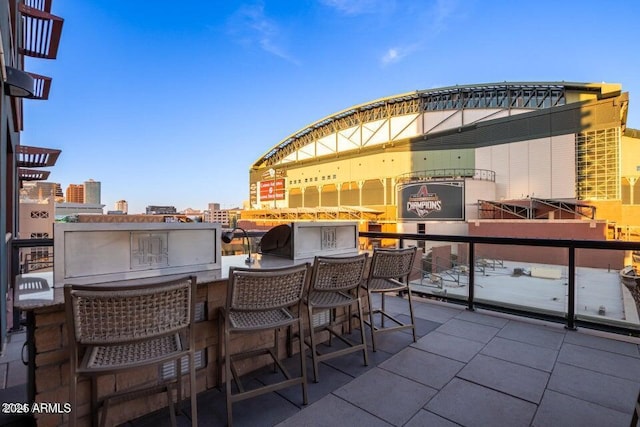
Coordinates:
[476,279]
[569,316]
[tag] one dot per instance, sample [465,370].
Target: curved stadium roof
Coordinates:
[505,95]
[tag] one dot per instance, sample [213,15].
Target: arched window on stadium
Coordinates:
[349,194]
[372,193]
[295,198]
[311,197]
[329,195]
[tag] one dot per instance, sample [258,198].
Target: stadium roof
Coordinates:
[502,95]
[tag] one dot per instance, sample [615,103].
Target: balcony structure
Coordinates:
[41,29]
[469,367]
[25,174]
[34,157]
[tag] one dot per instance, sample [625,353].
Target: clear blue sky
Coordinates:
[170,102]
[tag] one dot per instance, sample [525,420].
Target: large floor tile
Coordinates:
[600,361]
[543,336]
[557,409]
[426,418]
[330,379]
[469,330]
[352,364]
[510,378]
[482,318]
[435,313]
[423,327]
[392,303]
[460,349]
[390,342]
[521,353]
[426,368]
[333,411]
[600,343]
[470,404]
[267,409]
[605,390]
[391,397]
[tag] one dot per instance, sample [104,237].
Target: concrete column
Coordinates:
[632,183]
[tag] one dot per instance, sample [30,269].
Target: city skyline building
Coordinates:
[74,193]
[213,213]
[92,192]
[41,190]
[122,206]
[160,210]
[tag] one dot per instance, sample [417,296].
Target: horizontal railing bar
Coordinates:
[557,243]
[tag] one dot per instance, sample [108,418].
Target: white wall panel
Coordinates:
[518,170]
[479,115]
[306,152]
[404,126]
[540,167]
[440,120]
[563,169]
[352,134]
[326,145]
[378,133]
[483,158]
[380,136]
[500,164]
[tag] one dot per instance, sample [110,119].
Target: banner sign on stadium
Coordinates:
[272,190]
[431,201]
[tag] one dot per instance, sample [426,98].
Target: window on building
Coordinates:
[39,214]
[39,235]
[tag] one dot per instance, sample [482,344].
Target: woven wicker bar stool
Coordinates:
[389,272]
[335,283]
[260,300]
[126,328]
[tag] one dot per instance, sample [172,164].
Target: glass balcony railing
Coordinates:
[574,282]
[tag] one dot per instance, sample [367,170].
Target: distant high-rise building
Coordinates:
[122,206]
[160,210]
[92,192]
[215,214]
[41,190]
[75,193]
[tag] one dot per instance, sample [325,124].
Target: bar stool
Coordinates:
[335,283]
[126,328]
[260,300]
[389,272]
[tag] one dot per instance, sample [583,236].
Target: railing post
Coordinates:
[571,304]
[472,275]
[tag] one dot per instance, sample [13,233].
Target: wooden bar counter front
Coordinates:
[48,371]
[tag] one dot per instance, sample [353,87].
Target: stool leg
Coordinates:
[227,375]
[314,356]
[303,367]
[373,332]
[362,332]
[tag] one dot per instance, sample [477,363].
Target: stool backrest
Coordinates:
[256,289]
[333,274]
[109,314]
[392,263]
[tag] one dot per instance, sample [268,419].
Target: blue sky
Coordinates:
[170,102]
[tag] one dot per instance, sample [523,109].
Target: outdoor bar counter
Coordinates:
[48,377]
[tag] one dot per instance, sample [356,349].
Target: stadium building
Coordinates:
[434,160]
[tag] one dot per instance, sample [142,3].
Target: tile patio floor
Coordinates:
[467,368]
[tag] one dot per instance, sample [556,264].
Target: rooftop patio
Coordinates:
[467,368]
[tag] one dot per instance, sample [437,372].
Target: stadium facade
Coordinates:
[449,155]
